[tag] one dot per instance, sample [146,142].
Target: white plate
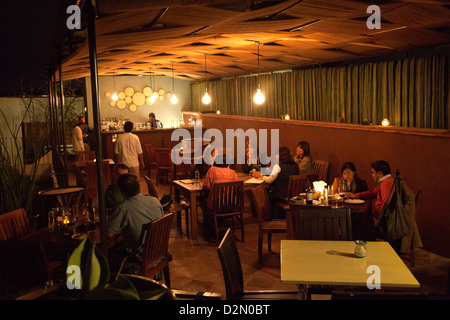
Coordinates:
[354,201]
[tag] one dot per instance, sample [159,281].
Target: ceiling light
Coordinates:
[114,97]
[174,98]
[259,97]
[206,98]
[385,122]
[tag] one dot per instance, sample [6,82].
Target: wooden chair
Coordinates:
[175,207]
[164,165]
[233,277]
[321,169]
[14,225]
[412,253]
[91,177]
[297,184]
[150,156]
[155,255]
[320,223]
[261,205]
[86,156]
[228,202]
[23,267]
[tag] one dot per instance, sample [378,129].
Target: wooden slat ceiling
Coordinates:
[134,37]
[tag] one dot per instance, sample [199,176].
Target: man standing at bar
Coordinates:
[128,150]
[86,131]
[153,122]
[77,138]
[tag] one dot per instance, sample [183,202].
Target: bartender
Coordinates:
[153,122]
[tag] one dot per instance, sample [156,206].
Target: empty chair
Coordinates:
[228,202]
[149,156]
[261,205]
[234,279]
[164,165]
[297,184]
[14,224]
[321,169]
[151,187]
[84,156]
[322,223]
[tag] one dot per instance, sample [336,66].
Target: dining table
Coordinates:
[313,262]
[361,211]
[190,189]
[64,195]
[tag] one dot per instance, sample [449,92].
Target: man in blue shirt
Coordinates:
[128,218]
[153,122]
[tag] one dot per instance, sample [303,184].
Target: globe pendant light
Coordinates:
[259,97]
[151,100]
[174,98]
[115,97]
[206,98]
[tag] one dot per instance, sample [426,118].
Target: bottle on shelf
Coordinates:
[309,193]
[91,210]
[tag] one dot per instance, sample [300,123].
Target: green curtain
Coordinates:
[411,92]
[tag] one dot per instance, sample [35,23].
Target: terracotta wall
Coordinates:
[423,157]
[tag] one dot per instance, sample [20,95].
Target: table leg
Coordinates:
[193,211]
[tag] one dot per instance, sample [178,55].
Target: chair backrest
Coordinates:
[228,196]
[163,158]
[86,155]
[156,246]
[321,223]
[149,154]
[14,224]
[321,169]
[260,203]
[91,176]
[151,187]
[80,176]
[23,265]
[231,267]
[297,183]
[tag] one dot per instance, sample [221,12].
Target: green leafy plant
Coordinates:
[95,278]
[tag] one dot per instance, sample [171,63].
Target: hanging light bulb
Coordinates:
[174,98]
[259,97]
[114,97]
[385,122]
[206,98]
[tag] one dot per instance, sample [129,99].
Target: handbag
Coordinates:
[393,223]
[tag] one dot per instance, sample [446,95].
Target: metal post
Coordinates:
[97,124]
[63,122]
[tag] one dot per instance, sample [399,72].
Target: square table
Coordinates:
[333,263]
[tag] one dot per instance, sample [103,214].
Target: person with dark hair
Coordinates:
[128,218]
[381,173]
[87,142]
[279,178]
[113,196]
[153,122]
[128,150]
[219,172]
[77,137]
[303,158]
[350,182]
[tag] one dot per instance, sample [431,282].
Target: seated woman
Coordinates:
[303,158]
[248,166]
[350,181]
[279,178]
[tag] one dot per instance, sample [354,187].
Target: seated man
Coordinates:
[381,173]
[129,217]
[113,196]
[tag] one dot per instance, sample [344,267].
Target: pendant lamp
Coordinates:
[174,98]
[259,97]
[206,98]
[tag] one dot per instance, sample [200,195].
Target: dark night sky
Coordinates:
[28,34]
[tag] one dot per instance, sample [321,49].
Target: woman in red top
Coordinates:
[381,173]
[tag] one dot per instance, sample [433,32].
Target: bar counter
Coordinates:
[160,137]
